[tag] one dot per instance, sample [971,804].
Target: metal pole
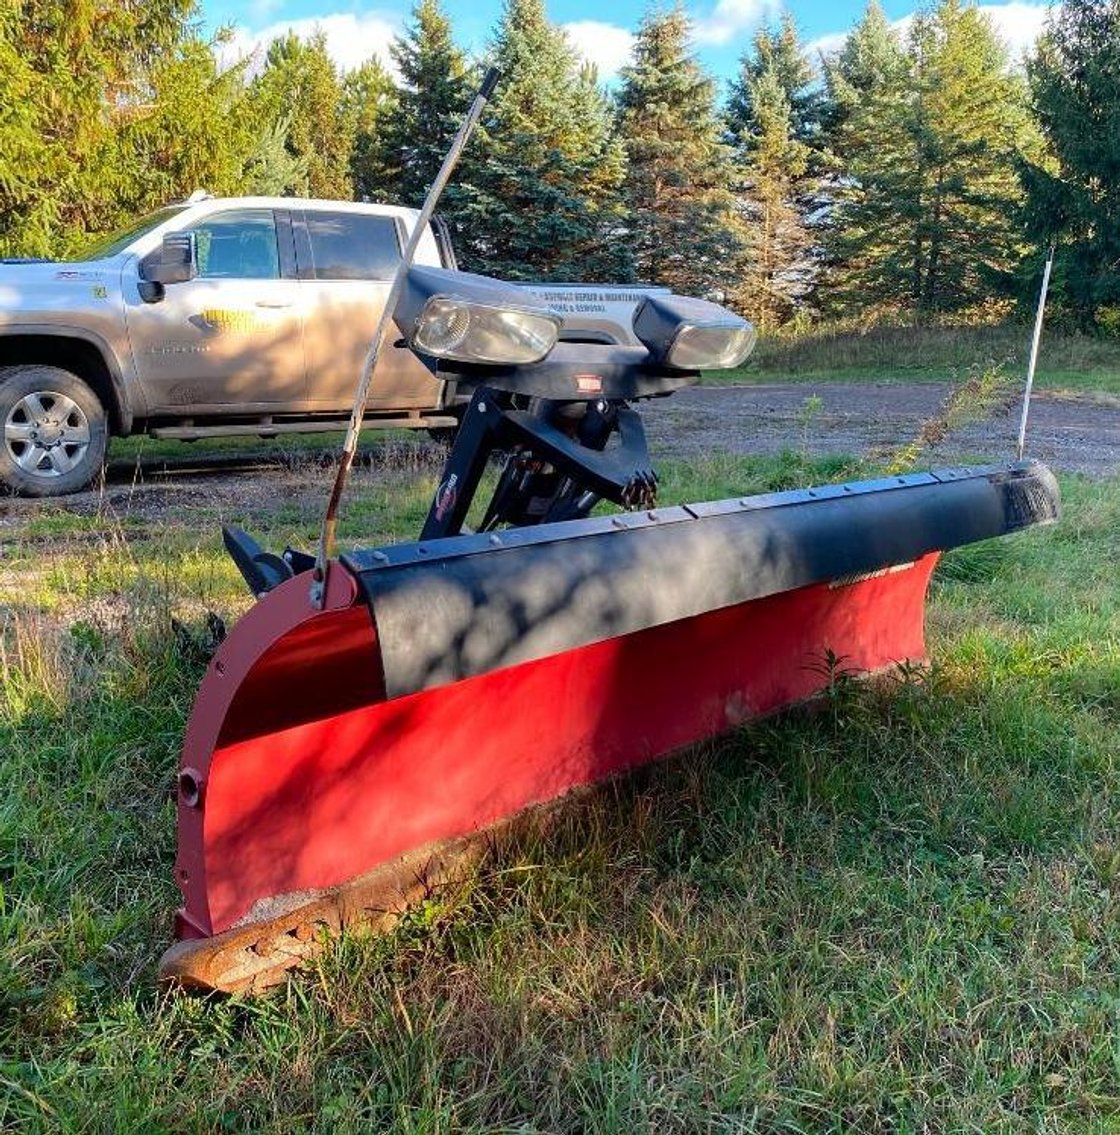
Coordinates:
[1034,351]
[361,393]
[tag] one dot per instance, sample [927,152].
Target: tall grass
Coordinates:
[1076,362]
[897,913]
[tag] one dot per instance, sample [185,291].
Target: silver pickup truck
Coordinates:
[263,332]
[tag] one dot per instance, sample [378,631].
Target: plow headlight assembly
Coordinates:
[699,347]
[692,334]
[450,327]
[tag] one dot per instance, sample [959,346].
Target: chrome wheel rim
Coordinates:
[46,434]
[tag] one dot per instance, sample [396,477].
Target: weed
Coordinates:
[984,390]
[811,409]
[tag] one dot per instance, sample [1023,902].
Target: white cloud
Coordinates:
[730,18]
[1017,23]
[351,38]
[260,9]
[825,44]
[605,45]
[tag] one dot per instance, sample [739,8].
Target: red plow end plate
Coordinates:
[304,795]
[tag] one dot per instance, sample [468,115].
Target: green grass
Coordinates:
[899,913]
[1066,363]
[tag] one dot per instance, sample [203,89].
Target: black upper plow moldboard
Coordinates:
[450,609]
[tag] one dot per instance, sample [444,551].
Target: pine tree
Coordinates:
[867,125]
[927,225]
[774,124]
[434,94]
[1075,84]
[301,83]
[539,195]
[682,227]
[370,104]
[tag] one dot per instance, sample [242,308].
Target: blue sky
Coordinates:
[601,32]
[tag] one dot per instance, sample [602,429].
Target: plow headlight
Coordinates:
[450,327]
[692,334]
[700,347]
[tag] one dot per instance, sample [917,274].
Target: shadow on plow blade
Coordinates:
[339,762]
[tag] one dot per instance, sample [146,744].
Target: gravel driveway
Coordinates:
[1072,435]
[1079,435]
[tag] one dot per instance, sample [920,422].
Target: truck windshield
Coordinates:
[116,242]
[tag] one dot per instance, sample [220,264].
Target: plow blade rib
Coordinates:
[339,762]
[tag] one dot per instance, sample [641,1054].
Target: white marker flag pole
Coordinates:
[1034,351]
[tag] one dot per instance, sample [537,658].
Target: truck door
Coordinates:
[346,264]
[232,336]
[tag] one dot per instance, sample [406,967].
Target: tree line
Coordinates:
[912,176]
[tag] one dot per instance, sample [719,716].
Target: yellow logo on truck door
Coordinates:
[235,321]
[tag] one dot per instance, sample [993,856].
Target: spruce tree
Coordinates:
[301,83]
[271,170]
[106,109]
[370,105]
[927,225]
[194,134]
[1075,83]
[434,93]
[871,60]
[778,53]
[539,193]
[773,121]
[682,228]
[867,124]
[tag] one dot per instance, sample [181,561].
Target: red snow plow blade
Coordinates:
[339,761]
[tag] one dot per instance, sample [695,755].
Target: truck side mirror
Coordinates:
[174,262]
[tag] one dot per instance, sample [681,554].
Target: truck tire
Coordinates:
[53,431]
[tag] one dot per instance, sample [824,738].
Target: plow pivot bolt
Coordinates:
[482,407]
[190,787]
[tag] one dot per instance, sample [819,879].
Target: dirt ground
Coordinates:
[1075,435]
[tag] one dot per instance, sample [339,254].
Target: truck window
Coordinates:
[238,245]
[352,246]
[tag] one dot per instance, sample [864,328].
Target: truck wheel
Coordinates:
[54,431]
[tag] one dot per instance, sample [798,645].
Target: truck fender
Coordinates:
[123,411]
